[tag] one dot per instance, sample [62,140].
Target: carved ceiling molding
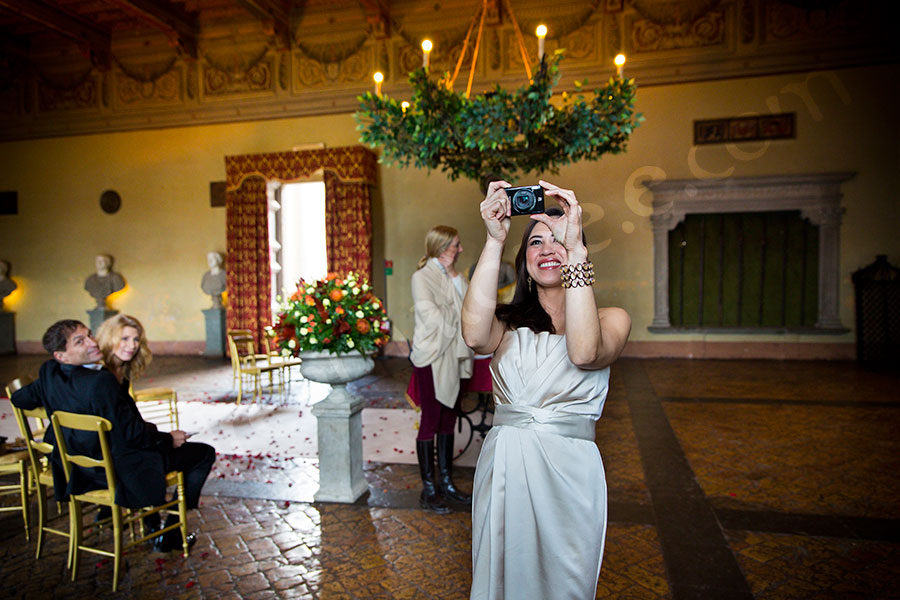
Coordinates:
[708,29]
[667,12]
[245,77]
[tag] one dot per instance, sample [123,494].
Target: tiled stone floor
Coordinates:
[727,479]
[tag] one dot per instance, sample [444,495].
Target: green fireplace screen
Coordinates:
[744,270]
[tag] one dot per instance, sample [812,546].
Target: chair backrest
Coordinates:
[66,420]
[158,405]
[242,346]
[38,450]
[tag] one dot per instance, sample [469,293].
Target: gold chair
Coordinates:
[38,453]
[158,405]
[246,362]
[275,358]
[13,463]
[107,496]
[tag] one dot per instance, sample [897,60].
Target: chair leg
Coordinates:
[42,518]
[182,515]
[117,544]
[75,524]
[23,484]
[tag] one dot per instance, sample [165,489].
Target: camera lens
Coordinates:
[524,200]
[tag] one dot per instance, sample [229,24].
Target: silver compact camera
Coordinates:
[526,200]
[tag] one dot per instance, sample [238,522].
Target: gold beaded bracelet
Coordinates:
[579,275]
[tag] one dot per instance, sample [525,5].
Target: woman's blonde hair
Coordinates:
[108,337]
[436,241]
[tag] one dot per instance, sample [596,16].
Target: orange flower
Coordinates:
[362,326]
[331,276]
[339,310]
[336,295]
[310,301]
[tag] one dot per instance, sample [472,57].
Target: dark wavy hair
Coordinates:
[525,310]
[56,338]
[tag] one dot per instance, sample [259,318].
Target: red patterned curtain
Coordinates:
[247,258]
[348,226]
[349,172]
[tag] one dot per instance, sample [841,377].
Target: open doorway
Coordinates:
[296,235]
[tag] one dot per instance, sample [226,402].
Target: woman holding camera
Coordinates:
[539,508]
[440,359]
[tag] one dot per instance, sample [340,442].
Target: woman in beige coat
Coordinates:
[440,359]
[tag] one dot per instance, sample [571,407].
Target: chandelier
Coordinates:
[499,133]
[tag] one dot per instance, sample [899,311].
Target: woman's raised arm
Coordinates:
[481,329]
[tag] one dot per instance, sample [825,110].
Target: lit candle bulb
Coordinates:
[426,51]
[620,64]
[541,32]
[378,77]
[403,106]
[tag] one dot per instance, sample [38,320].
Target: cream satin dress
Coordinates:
[539,501]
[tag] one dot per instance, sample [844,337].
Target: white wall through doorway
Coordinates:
[301,234]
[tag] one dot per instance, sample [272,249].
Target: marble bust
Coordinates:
[104,282]
[7,285]
[213,282]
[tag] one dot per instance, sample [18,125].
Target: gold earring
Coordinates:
[530,281]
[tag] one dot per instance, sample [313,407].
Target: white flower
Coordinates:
[350,343]
[310,290]
[375,324]
[326,302]
[365,287]
[328,321]
[312,340]
[304,319]
[292,344]
[285,351]
[304,331]
[360,314]
[296,313]
[375,305]
[356,291]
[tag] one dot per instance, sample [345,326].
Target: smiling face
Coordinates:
[543,256]
[81,349]
[128,345]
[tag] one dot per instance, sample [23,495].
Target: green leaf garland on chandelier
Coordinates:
[499,133]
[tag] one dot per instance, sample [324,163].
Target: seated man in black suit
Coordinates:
[74,381]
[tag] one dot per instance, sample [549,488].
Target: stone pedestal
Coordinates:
[215,332]
[7,333]
[339,419]
[98,315]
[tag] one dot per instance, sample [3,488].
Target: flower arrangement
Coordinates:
[335,314]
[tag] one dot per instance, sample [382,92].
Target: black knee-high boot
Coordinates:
[430,498]
[445,469]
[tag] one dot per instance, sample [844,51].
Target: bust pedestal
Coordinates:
[98,315]
[215,331]
[7,332]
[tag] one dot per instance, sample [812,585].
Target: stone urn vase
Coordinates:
[339,420]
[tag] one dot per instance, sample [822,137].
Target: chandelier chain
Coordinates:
[475,50]
[519,39]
